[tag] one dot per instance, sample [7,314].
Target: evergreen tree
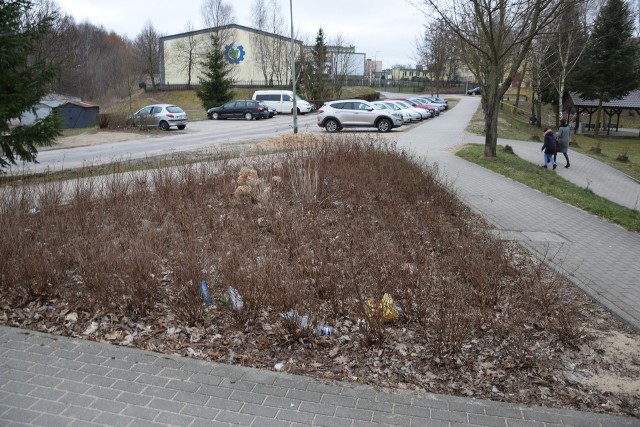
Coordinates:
[319,84]
[215,87]
[23,82]
[609,68]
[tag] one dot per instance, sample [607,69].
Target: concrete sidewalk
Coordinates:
[585,172]
[599,257]
[50,380]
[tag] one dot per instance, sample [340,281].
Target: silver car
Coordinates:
[425,114]
[353,113]
[409,115]
[163,116]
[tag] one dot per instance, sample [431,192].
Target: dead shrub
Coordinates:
[112,120]
[320,232]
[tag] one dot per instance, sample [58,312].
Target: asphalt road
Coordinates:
[197,136]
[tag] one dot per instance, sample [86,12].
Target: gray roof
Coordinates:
[631,101]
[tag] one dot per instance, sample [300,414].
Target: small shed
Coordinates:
[612,109]
[40,111]
[43,108]
[78,114]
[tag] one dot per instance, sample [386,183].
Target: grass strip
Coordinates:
[533,176]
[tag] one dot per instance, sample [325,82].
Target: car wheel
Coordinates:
[332,125]
[215,116]
[384,125]
[248,116]
[164,125]
[182,126]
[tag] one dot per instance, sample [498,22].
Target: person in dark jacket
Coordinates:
[549,148]
[563,141]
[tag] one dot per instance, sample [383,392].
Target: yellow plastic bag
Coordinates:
[385,308]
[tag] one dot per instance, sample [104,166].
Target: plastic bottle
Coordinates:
[326,330]
[205,292]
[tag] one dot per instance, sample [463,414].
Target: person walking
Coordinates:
[549,148]
[563,141]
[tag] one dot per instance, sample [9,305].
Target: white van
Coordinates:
[282,101]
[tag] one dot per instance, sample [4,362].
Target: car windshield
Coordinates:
[379,107]
[174,109]
[418,101]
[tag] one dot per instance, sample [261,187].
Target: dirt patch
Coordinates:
[96,138]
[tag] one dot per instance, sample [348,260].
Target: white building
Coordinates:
[255,57]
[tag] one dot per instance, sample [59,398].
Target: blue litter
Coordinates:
[205,292]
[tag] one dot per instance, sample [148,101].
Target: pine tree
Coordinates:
[23,82]
[215,87]
[319,86]
[609,68]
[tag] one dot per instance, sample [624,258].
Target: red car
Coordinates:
[416,105]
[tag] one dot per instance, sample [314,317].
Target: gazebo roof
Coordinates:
[631,101]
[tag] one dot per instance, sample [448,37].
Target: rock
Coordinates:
[574,377]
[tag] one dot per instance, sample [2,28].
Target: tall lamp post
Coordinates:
[375,66]
[293,73]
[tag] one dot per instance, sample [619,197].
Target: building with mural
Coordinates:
[255,57]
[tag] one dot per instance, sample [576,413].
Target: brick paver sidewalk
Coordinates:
[58,381]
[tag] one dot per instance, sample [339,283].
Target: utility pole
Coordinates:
[293,73]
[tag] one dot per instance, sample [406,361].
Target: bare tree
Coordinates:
[147,45]
[186,54]
[566,45]
[259,18]
[272,53]
[497,35]
[435,53]
[217,15]
[342,62]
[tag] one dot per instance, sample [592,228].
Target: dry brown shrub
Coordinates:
[321,231]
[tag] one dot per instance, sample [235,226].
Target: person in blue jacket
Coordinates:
[549,148]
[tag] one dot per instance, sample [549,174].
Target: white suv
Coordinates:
[352,113]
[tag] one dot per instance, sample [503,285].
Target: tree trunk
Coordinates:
[524,73]
[491,127]
[596,129]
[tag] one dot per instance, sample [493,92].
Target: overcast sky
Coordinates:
[385,30]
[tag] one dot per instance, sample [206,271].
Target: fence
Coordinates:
[377,83]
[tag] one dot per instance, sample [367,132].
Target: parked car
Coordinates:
[474,91]
[272,111]
[415,104]
[247,109]
[424,113]
[163,116]
[422,101]
[282,101]
[408,114]
[352,113]
[436,100]
[406,118]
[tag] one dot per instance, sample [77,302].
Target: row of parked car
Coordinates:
[264,104]
[332,116]
[384,115]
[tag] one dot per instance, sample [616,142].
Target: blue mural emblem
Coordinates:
[234,54]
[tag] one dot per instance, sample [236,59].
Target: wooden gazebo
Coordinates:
[572,103]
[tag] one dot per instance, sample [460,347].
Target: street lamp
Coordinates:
[293,73]
[375,66]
